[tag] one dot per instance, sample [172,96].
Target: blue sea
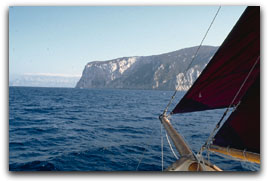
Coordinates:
[67,129]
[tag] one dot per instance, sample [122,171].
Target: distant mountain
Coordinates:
[39,80]
[160,72]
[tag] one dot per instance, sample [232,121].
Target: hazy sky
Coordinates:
[61,40]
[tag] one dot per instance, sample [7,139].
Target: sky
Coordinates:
[62,40]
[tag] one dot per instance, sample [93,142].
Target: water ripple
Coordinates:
[98,130]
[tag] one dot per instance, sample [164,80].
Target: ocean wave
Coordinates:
[97,130]
[33,166]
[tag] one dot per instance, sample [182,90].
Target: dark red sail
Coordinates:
[218,84]
[242,129]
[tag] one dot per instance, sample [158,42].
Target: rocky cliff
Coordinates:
[161,72]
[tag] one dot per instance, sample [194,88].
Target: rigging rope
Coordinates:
[140,160]
[231,104]
[170,146]
[176,89]
[162,149]
[146,148]
[229,157]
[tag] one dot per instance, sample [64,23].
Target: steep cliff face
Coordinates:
[103,74]
[162,72]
